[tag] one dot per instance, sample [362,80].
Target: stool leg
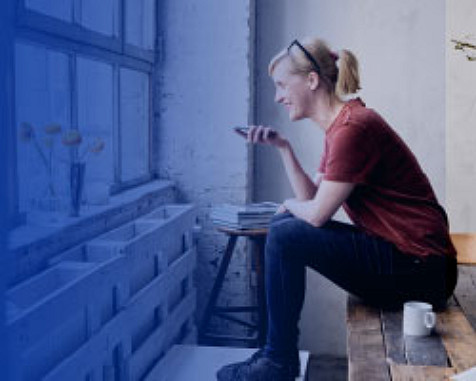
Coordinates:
[261,294]
[217,286]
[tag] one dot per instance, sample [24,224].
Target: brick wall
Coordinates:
[204,83]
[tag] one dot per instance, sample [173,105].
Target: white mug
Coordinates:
[418,319]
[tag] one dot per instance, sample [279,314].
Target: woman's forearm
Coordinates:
[303,187]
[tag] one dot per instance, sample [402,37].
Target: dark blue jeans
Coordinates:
[366,266]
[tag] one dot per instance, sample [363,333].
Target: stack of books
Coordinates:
[249,216]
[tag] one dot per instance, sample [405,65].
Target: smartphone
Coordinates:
[244,131]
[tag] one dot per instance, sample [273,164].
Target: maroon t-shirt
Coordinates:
[393,198]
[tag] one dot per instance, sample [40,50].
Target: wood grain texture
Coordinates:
[392,330]
[428,350]
[465,244]
[420,373]
[465,292]
[458,337]
[410,350]
[378,350]
[365,344]
[361,317]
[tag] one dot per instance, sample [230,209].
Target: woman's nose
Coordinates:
[278,98]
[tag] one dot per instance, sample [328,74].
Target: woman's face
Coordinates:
[292,90]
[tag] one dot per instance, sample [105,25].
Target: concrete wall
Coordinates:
[461,117]
[401,48]
[204,92]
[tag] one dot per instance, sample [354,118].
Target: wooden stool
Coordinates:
[258,338]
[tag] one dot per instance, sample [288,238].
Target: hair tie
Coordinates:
[334,55]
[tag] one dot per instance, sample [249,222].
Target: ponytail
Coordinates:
[348,80]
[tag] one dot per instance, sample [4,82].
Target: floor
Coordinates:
[191,362]
[327,368]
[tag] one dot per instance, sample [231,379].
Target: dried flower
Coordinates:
[466,47]
[97,146]
[46,150]
[72,138]
[53,129]
[26,132]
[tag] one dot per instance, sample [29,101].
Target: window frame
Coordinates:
[74,40]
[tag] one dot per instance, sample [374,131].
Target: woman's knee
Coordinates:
[285,232]
[280,217]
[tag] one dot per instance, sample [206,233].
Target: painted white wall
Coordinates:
[461,117]
[401,48]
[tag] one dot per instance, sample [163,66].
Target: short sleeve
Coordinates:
[352,155]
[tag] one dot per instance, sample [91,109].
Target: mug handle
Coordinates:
[430,320]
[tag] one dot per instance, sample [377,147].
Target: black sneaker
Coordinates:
[258,368]
[230,368]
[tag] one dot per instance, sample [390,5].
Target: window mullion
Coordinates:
[77,12]
[73,81]
[152,134]
[117,125]
[122,24]
[74,91]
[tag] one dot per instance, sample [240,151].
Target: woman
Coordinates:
[399,247]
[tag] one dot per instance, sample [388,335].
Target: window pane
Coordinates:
[61,9]
[140,23]
[134,106]
[100,16]
[42,98]
[95,118]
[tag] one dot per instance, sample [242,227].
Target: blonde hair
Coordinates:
[340,79]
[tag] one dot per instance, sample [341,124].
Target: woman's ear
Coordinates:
[313,80]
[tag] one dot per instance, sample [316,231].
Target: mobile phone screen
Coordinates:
[242,130]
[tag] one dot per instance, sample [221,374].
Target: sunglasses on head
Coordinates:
[307,54]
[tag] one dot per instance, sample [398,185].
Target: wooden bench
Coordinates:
[377,349]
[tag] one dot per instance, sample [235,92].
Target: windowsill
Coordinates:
[44,226]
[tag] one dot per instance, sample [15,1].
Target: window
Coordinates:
[140,23]
[134,106]
[42,95]
[95,84]
[78,66]
[60,9]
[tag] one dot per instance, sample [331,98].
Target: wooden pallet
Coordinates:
[109,308]
[377,349]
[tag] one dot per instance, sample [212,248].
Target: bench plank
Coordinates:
[365,346]
[367,358]
[458,337]
[428,350]
[392,330]
[465,292]
[465,244]
[420,373]
[361,317]
[410,350]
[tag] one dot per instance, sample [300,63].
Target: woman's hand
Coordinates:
[265,135]
[281,209]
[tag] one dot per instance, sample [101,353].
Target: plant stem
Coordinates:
[40,152]
[461,45]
